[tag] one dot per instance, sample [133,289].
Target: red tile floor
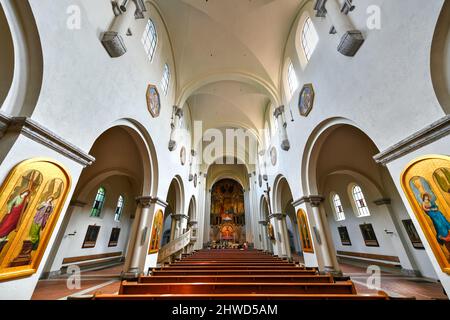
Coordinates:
[108,281]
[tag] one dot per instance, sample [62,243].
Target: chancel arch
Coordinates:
[119,172]
[374,225]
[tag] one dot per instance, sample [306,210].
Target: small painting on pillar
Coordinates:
[157,227]
[426,183]
[305,233]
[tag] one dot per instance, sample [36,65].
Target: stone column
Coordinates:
[177,225]
[177,115]
[400,245]
[282,125]
[278,221]
[322,243]
[264,236]
[351,38]
[139,231]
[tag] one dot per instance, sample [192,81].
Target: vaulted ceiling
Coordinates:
[229,53]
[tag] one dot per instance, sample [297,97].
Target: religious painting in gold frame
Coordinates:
[426,183]
[31,200]
[157,227]
[305,233]
[153,100]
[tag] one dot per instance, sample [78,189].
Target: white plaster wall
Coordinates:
[379,219]
[71,246]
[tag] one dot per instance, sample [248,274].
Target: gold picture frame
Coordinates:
[31,200]
[430,203]
[157,226]
[153,100]
[304,231]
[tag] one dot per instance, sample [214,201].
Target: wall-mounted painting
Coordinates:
[345,237]
[270,231]
[412,234]
[90,239]
[183,156]
[157,229]
[260,180]
[31,199]
[273,156]
[153,100]
[370,238]
[305,233]
[195,180]
[114,238]
[426,182]
[306,100]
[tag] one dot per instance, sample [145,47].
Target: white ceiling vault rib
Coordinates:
[229,56]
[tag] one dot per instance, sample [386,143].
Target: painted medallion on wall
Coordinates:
[426,182]
[273,156]
[306,100]
[183,156]
[153,100]
[305,233]
[31,199]
[157,229]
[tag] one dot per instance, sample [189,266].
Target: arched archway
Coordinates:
[285,221]
[175,221]
[23,62]
[112,228]
[366,223]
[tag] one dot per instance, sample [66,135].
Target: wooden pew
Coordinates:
[242,267]
[380,296]
[170,271]
[238,279]
[237,288]
[230,264]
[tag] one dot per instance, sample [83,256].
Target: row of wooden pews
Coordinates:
[237,275]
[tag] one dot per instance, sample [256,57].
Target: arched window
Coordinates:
[98,203]
[165,79]
[310,38]
[119,208]
[338,209]
[360,202]
[292,78]
[150,39]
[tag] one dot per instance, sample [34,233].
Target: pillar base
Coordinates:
[131,275]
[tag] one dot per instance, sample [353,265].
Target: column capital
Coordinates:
[314,200]
[179,216]
[147,201]
[192,223]
[278,216]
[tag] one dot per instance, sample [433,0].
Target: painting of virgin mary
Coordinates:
[427,200]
